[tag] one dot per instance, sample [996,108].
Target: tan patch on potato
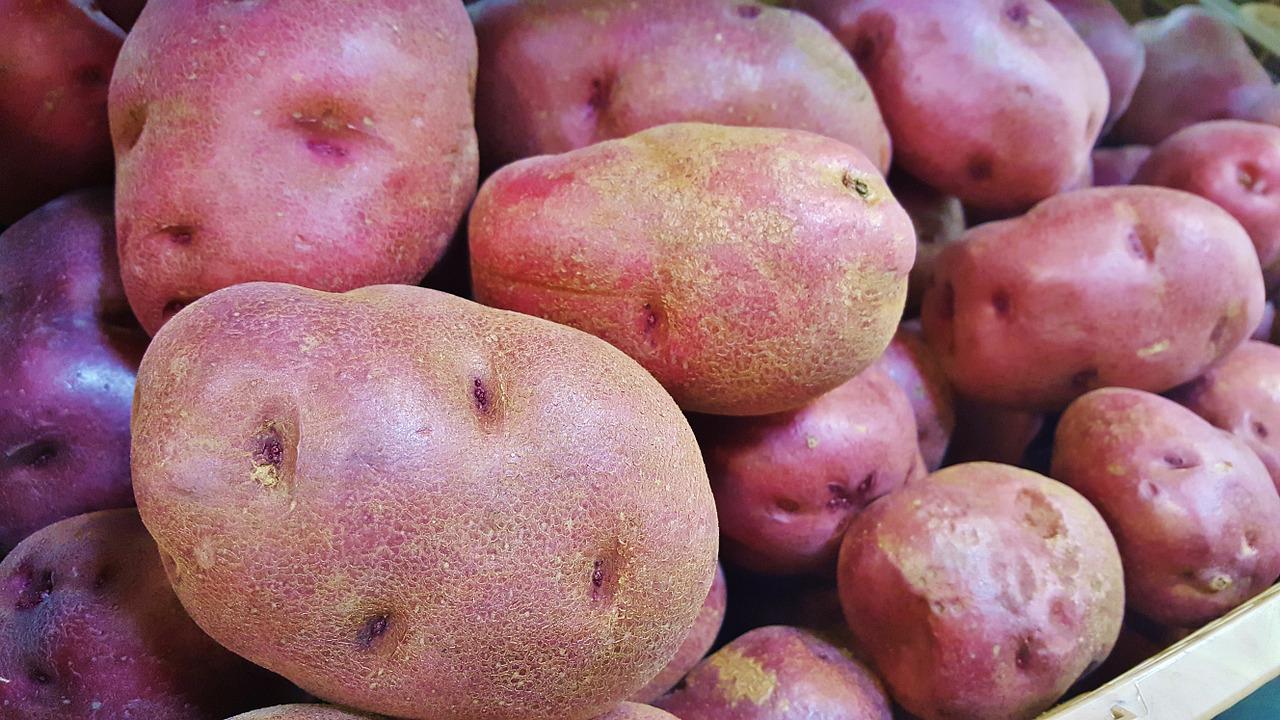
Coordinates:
[742,678]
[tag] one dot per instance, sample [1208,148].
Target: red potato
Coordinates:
[1257,103]
[937,219]
[750,270]
[982,592]
[633,66]
[1028,76]
[1118,165]
[1128,286]
[695,645]
[1196,515]
[303,712]
[1113,42]
[990,433]
[319,142]
[910,363]
[635,711]
[1267,325]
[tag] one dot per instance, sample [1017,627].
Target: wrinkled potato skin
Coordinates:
[304,712]
[636,711]
[1113,42]
[911,364]
[1195,513]
[1125,286]
[90,629]
[1119,165]
[364,480]
[1004,584]
[695,645]
[1029,75]
[68,361]
[326,143]
[633,66]
[937,219]
[778,673]
[750,270]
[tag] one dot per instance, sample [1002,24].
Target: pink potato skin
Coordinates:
[750,270]
[636,711]
[1118,165]
[1128,286]
[1267,324]
[1113,42]
[305,712]
[634,66]
[1005,585]
[1033,79]
[325,143]
[1195,513]
[68,362]
[910,363]
[778,673]
[695,645]
[90,629]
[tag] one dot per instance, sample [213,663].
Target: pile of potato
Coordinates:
[822,359]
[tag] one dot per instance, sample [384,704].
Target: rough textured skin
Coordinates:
[911,364]
[1194,511]
[636,711]
[1028,78]
[1236,165]
[303,712]
[1198,68]
[1113,42]
[90,629]
[414,505]
[937,219]
[1118,165]
[982,593]
[750,270]
[1128,286]
[637,65]
[695,645]
[68,360]
[55,62]
[779,673]
[327,143]
[991,433]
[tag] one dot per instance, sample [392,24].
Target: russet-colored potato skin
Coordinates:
[912,365]
[633,66]
[68,360]
[90,629]
[695,645]
[1113,42]
[413,505]
[1118,165]
[778,673]
[326,143]
[304,712]
[749,269]
[1194,511]
[982,592]
[636,711]
[1128,286]
[1028,77]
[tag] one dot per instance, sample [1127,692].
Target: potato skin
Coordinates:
[911,365]
[636,711]
[71,350]
[750,270]
[327,143]
[1113,42]
[991,433]
[90,628]
[938,219]
[341,486]
[1195,513]
[1030,78]
[632,67]
[1004,584]
[778,673]
[1118,165]
[304,712]
[1127,286]
[695,645]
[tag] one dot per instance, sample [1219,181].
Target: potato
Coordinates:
[992,433]
[55,62]
[910,363]
[1235,164]
[319,142]
[1267,325]
[413,505]
[1118,165]
[1195,514]
[1026,76]
[303,712]
[68,361]
[778,673]
[750,270]
[90,629]
[695,646]
[632,66]
[1113,42]
[982,592]
[1257,103]
[1128,286]
[937,219]
[635,711]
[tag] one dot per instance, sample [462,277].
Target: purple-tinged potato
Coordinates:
[89,628]
[1138,287]
[910,363]
[1195,513]
[637,65]
[1028,78]
[1267,324]
[415,505]
[1257,103]
[68,361]
[636,711]
[937,219]
[1118,165]
[324,143]
[982,592]
[750,270]
[779,673]
[695,646]
[990,433]
[1113,42]
[305,712]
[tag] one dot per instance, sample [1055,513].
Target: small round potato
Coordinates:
[911,364]
[1113,42]
[1118,165]
[695,645]
[304,712]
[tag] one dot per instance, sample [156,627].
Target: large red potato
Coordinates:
[413,505]
[911,364]
[982,592]
[68,360]
[90,629]
[303,712]
[968,86]
[327,143]
[1113,42]
[1194,511]
[695,646]
[632,66]
[749,269]
[1118,165]
[1130,286]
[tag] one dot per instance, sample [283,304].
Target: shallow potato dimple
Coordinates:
[1040,515]
[268,455]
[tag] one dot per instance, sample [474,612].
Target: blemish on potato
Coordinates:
[741,678]
[1180,461]
[372,629]
[981,167]
[1153,349]
[268,456]
[1001,303]
[1025,654]
[860,186]
[1040,515]
[480,394]
[787,505]
[35,588]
